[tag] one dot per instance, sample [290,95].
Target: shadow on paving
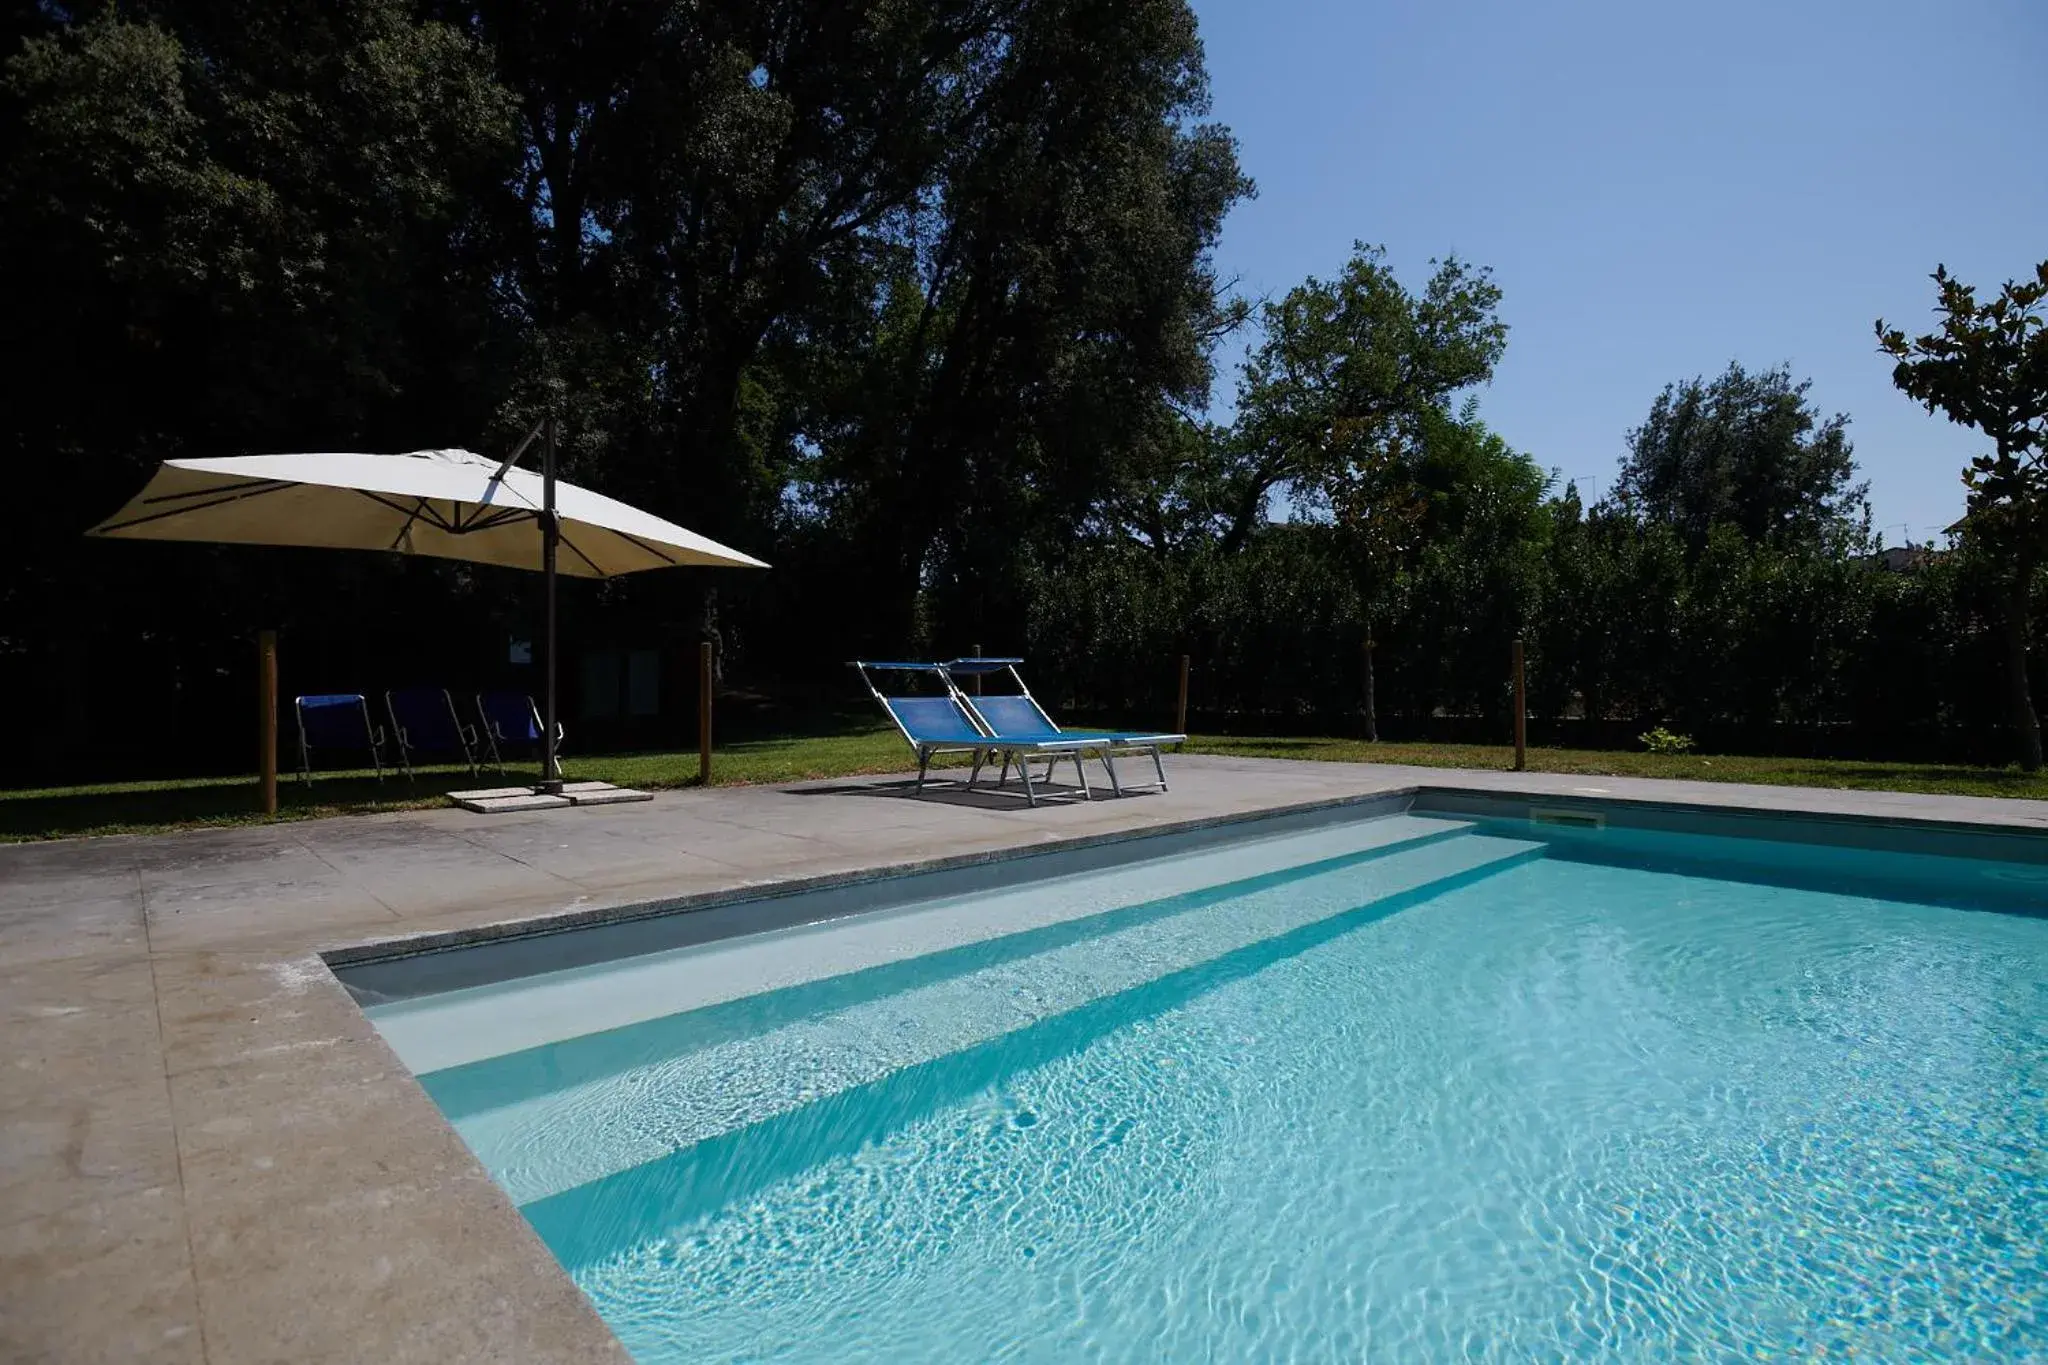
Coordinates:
[950,794]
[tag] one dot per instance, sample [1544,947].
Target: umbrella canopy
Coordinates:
[451,504]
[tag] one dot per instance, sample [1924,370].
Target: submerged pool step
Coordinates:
[540,1144]
[458,1028]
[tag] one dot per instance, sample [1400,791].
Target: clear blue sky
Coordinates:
[1659,188]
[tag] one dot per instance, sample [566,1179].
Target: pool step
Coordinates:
[548,1142]
[573,1008]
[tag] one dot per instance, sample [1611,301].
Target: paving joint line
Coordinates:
[516,860]
[163,1053]
[329,864]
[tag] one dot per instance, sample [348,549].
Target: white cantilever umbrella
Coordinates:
[452,504]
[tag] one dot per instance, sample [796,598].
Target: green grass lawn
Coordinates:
[136,807]
[1854,774]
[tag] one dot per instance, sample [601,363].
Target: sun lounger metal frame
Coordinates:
[972,737]
[490,732]
[372,736]
[465,735]
[1107,745]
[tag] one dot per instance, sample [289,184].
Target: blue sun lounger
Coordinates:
[337,720]
[1019,714]
[508,722]
[943,725]
[423,721]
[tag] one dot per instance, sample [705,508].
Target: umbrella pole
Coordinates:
[266,702]
[550,537]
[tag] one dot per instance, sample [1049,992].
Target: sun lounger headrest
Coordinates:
[326,699]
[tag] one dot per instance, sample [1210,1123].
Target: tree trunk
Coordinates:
[2019,694]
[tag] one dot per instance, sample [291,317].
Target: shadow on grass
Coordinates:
[137,807]
[1261,747]
[1987,781]
[827,752]
[58,814]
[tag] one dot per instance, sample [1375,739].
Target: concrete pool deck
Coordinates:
[208,1154]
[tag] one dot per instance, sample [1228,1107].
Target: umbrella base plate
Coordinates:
[602,794]
[496,800]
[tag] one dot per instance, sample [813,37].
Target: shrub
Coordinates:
[1663,741]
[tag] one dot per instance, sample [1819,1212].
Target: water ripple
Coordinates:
[1570,1113]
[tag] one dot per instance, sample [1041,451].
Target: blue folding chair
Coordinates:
[943,725]
[423,721]
[1020,714]
[337,720]
[507,720]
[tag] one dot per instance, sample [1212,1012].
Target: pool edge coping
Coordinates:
[371,951]
[366,952]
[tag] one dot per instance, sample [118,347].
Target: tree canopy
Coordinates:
[1744,450]
[1987,368]
[891,293]
[917,302]
[1347,378]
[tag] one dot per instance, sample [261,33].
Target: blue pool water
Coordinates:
[1461,1093]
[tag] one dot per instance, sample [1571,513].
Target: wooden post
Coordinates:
[1372,718]
[1180,715]
[266,706]
[1521,713]
[704,713]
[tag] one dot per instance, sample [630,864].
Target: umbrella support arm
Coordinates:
[519,450]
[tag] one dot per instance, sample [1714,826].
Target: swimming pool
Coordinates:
[1426,1084]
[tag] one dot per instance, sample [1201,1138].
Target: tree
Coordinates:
[1335,398]
[1987,368]
[1745,450]
[1347,404]
[1474,581]
[1048,310]
[905,297]
[224,228]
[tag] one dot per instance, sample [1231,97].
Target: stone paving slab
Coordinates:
[517,801]
[108,1280]
[609,796]
[207,1153]
[503,800]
